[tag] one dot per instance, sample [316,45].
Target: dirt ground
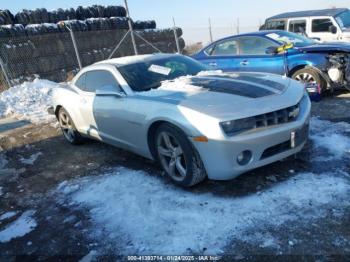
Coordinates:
[25,186]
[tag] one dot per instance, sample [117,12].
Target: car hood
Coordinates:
[228,96]
[326,47]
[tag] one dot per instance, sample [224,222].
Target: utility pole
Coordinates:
[237,26]
[176,38]
[130,27]
[210,32]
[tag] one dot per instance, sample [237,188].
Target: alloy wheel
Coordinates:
[66,126]
[171,156]
[306,78]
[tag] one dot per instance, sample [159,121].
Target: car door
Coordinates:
[109,108]
[254,58]
[320,28]
[102,107]
[222,55]
[85,119]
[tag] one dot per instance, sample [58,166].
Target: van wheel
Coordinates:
[178,158]
[310,76]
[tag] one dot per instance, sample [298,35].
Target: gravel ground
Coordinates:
[38,170]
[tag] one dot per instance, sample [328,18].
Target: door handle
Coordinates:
[213,64]
[244,63]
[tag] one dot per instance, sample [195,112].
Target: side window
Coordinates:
[80,83]
[252,45]
[98,79]
[297,26]
[321,25]
[276,25]
[228,47]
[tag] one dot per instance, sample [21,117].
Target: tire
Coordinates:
[69,131]
[173,148]
[309,75]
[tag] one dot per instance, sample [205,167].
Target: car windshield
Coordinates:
[343,19]
[143,76]
[287,38]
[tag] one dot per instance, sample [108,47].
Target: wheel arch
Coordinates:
[323,75]
[57,109]
[152,129]
[296,68]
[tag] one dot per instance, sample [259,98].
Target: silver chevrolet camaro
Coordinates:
[196,123]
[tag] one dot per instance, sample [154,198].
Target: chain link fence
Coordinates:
[52,55]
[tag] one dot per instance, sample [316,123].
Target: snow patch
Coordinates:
[28,101]
[31,159]
[20,227]
[331,136]
[8,215]
[89,257]
[145,216]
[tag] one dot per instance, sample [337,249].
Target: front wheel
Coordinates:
[178,158]
[310,76]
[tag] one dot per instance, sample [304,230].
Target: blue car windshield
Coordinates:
[343,19]
[146,75]
[284,37]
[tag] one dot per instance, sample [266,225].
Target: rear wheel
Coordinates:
[68,128]
[310,76]
[179,159]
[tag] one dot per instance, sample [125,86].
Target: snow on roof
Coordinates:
[133,59]
[323,12]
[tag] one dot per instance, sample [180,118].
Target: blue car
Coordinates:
[321,66]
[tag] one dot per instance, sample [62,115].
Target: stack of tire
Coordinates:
[38,41]
[6,17]
[41,15]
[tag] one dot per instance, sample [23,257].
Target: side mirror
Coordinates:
[333,29]
[109,90]
[271,50]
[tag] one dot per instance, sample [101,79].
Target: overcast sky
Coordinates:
[192,15]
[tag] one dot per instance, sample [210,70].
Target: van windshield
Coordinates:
[343,19]
[284,37]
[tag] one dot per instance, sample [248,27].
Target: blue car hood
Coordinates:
[326,47]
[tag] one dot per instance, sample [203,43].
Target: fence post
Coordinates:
[131,28]
[2,65]
[74,45]
[176,38]
[210,32]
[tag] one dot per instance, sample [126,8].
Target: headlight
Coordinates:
[235,126]
[334,74]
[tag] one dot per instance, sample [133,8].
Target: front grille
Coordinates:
[282,116]
[274,150]
[301,136]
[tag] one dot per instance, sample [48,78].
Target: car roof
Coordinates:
[323,12]
[257,33]
[120,61]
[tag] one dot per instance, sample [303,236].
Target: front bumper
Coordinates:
[267,146]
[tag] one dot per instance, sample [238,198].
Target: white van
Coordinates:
[328,25]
